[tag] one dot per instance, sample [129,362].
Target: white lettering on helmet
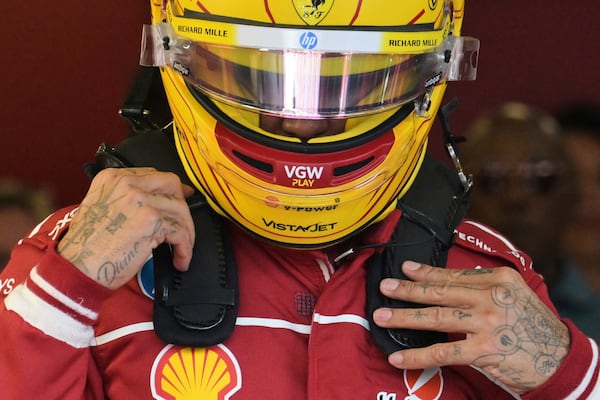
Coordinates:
[303,172]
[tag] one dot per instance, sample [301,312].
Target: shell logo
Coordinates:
[272,201]
[424,384]
[186,373]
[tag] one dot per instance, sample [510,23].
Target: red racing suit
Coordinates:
[301,332]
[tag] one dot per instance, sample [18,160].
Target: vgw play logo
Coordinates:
[303,175]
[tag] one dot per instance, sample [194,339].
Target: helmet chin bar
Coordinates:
[286,215]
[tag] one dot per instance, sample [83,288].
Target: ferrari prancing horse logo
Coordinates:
[312,11]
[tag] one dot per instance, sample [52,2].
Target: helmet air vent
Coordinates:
[263,166]
[346,169]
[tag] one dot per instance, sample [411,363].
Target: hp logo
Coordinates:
[308,40]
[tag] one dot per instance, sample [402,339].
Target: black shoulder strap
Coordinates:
[197,307]
[431,210]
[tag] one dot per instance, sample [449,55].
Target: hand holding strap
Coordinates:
[197,307]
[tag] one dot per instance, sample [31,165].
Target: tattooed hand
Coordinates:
[509,333]
[125,214]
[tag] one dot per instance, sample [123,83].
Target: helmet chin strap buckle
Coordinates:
[137,108]
[422,108]
[451,141]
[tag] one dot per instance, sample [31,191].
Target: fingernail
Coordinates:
[411,265]
[396,358]
[389,284]
[382,315]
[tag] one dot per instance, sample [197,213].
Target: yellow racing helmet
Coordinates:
[379,66]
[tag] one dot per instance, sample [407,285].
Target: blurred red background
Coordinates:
[67,67]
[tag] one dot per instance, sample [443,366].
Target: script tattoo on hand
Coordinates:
[109,271]
[162,231]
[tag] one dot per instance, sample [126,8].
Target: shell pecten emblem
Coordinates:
[195,373]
